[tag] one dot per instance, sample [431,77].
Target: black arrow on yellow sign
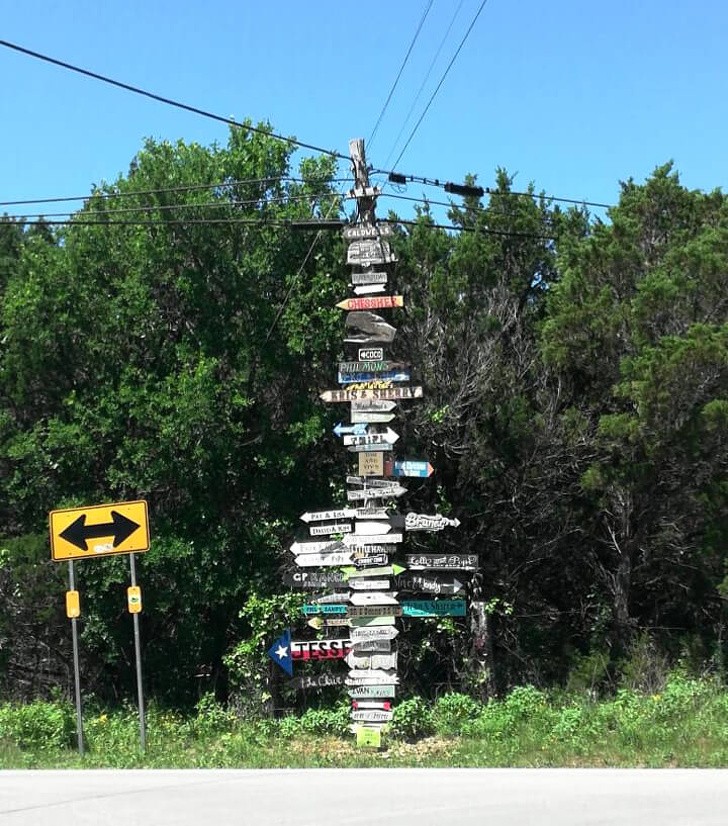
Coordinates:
[120,528]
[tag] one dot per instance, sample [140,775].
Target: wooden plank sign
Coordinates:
[359,622]
[371,418]
[442,562]
[365,634]
[372,676]
[324,547]
[372,715]
[433,608]
[374,611]
[368,584]
[368,289]
[330,530]
[313,581]
[369,277]
[370,375]
[352,394]
[371,646]
[359,705]
[363,230]
[314,608]
[320,649]
[327,622]
[374,598]
[364,661]
[430,584]
[380,690]
[375,302]
[327,516]
[324,560]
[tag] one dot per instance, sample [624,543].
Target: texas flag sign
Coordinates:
[280,652]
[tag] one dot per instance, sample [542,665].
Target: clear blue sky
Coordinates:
[569,94]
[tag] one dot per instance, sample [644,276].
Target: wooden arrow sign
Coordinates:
[376,646]
[430,584]
[386,437]
[387,570]
[367,376]
[325,516]
[313,608]
[324,560]
[372,483]
[374,598]
[368,289]
[365,584]
[369,622]
[372,677]
[367,634]
[330,530]
[378,302]
[327,546]
[375,447]
[360,705]
[374,611]
[376,493]
[366,230]
[331,598]
[369,278]
[328,622]
[385,538]
[364,661]
[371,528]
[372,418]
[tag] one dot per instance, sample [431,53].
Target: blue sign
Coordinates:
[412,468]
[357,429]
[280,652]
[389,375]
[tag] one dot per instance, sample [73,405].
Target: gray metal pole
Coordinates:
[76,668]
[138,655]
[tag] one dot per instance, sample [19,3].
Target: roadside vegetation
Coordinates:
[684,724]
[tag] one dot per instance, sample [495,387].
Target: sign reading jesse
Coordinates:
[99,530]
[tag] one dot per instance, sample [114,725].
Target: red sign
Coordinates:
[320,649]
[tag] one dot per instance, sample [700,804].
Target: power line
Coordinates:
[399,74]
[182,206]
[163,191]
[483,230]
[169,101]
[251,222]
[426,78]
[442,80]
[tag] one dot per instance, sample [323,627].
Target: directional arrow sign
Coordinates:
[341,429]
[385,538]
[99,530]
[370,621]
[411,468]
[375,598]
[368,289]
[433,608]
[362,661]
[323,516]
[443,562]
[373,483]
[365,560]
[386,437]
[327,546]
[374,302]
[375,646]
[387,570]
[327,622]
[371,528]
[430,584]
[372,677]
[323,560]
[360,705]
[369,448]
[369,277]
[332,598]
[330,530]
[374,611]
[386,632]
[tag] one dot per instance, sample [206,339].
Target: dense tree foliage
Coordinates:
[576,411]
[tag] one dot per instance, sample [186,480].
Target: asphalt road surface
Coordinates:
[350,797]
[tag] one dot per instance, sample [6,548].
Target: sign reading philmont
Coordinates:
[99,530]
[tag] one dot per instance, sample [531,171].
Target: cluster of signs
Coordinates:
[346,561]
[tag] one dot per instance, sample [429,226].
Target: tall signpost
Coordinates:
[92,532]
[362,538]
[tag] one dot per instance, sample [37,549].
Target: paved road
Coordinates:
[366,797]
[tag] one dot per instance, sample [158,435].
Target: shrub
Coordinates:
[38,726]
[454,712]
[411,719]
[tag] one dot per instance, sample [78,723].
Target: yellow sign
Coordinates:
[99,530]
[368,737]
[371,464]
[73,605]
[134,599]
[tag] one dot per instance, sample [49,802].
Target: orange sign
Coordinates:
[99,530]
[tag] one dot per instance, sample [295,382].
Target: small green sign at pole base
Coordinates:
[368,737]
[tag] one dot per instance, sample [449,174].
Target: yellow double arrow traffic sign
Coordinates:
[99,530]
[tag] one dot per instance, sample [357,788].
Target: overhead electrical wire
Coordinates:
[426,78]
[169,101]
[442,80]
[98,193]
[399,73]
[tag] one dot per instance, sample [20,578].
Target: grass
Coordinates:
[684,725]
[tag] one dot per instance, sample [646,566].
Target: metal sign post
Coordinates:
[135,606]
[76,669]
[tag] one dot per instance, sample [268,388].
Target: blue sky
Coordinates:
[571,95]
